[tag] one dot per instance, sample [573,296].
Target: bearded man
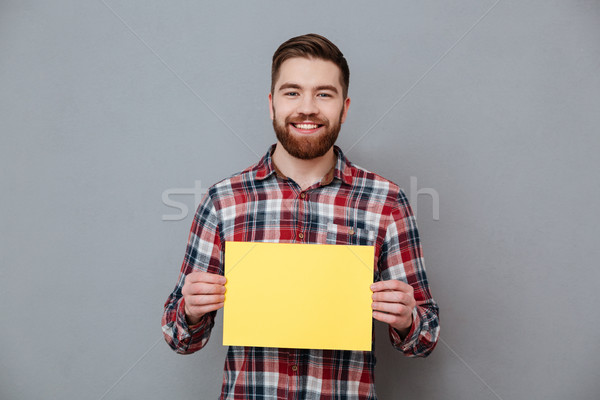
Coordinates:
[304,190]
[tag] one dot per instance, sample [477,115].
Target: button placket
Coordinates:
[303,207]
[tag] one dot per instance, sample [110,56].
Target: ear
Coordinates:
[271,111]
[345,111]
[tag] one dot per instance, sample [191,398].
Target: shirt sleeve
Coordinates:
[401,258]
[203,253]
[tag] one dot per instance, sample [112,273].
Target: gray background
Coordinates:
[106,105]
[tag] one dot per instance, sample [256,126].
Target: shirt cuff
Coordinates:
[186,329]
[412,336]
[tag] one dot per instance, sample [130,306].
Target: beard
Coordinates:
[307,147]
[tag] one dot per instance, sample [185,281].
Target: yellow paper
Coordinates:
[312,296]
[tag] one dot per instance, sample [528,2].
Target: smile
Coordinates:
[306,127]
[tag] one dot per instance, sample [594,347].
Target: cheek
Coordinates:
[279,112]
[334,113]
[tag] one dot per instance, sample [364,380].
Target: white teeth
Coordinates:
[307,126]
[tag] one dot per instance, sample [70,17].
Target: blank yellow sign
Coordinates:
[312,296]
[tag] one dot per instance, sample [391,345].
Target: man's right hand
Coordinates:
[203,292]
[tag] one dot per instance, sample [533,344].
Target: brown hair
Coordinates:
[310,46]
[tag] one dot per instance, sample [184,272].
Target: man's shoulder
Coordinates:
[234,182]
[363,177]
[379,190]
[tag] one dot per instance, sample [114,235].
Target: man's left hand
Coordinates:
[393,303]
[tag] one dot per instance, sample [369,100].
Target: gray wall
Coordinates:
[105,105]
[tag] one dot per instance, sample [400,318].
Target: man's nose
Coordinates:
[307,106]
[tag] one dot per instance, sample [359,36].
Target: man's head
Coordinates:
[310,46]
[309,95]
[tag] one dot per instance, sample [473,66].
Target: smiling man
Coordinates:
[309,112]
[304,190]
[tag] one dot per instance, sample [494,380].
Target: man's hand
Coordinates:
[393,303]
[203,292]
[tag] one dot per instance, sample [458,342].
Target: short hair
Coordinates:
[310,46]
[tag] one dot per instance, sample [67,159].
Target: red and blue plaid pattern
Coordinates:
[349,206]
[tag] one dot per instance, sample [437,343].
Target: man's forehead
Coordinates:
[311,71]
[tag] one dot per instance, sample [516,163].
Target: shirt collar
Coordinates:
[342,169]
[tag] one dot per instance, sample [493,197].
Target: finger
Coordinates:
[197,301]
[392,308]
[201,310]
[391,284]
[390,319]
[392,297]
[205,277]
[202,288]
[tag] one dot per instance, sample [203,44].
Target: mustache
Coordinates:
[306,119]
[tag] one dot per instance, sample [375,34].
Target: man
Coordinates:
[304,190]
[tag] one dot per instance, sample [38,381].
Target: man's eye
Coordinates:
[291,94]
[324,95]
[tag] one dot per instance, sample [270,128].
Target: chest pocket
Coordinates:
[342,234]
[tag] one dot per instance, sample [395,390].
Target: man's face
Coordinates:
[307,106]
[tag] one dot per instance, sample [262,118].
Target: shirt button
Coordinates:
[294,368]
[301,235]
[302,195]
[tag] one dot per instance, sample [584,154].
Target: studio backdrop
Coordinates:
[117,116]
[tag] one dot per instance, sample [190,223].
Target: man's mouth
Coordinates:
[306,127]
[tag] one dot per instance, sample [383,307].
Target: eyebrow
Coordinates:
[290,85]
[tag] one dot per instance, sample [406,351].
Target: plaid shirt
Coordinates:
[349,206]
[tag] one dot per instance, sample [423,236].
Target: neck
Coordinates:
[304,172]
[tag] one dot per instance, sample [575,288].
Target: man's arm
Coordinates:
[402,297]
[191,308]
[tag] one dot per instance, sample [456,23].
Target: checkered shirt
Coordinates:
[349,206]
